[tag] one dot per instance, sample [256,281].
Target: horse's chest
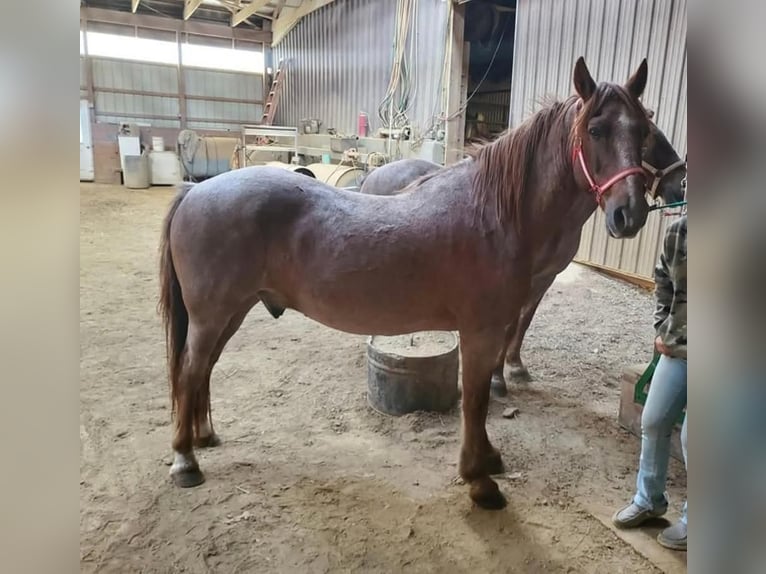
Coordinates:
[555,254]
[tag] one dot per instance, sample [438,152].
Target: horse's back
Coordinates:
[395,176]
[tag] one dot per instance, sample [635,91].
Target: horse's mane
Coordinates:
[505,165]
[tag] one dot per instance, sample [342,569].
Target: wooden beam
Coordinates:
[190,7]
[632,278]
[175,95]
[456,93]
[290,16]
[162,23]
[278,8]
[134,5]
[247,11]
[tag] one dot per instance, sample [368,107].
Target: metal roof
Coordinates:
[279,16]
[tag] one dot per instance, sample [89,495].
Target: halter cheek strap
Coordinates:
[600,189]
[658,174]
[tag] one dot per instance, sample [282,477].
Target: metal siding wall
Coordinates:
[340,63]
[125,75]
[613,35]
[219,84]
[213,84]
[205,113]
[494,106]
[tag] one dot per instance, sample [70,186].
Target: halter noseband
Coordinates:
[658,174]
[595,188]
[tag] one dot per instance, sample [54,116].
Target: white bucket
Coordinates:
[158,144]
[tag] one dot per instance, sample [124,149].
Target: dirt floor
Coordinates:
[309,478]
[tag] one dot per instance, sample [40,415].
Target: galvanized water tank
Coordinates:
[417,372]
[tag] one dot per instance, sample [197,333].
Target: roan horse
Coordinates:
[663,165]
[393,177]
[457,252]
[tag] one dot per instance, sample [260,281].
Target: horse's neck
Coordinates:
[557,205]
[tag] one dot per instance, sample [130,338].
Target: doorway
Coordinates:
[490,27]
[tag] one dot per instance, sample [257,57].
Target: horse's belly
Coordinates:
[373,312]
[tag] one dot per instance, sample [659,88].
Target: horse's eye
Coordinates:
[595,132]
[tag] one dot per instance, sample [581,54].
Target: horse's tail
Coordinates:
[171,303]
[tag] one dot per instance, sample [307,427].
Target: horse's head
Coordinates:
[609,133]
[666,169]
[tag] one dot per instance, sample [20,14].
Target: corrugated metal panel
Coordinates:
[340,63]
[126,75]
[217,110]
[218,84]
[613,35]
[494,106]
[112,104]
[117,75]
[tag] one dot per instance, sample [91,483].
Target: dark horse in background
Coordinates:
[665,169]
[457,252]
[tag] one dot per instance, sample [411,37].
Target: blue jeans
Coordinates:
[664,404]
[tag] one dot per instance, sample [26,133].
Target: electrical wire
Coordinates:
[399,96]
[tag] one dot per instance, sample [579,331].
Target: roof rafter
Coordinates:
[248,11]
[190,6]
[290,16]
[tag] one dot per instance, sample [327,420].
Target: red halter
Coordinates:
[600,190]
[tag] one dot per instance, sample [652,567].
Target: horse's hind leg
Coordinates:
[518,370]
[192,379]
[205,435]
[497,385]
[481,352]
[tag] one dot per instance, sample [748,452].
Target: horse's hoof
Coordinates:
[207,441]
[495,463]
[486,494]
[185,471]
[497,387]
[188,478]
[519,373]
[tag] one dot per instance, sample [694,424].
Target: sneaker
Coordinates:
[633,515]
[673,537]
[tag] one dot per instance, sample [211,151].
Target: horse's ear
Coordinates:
[637,81]
[583,81]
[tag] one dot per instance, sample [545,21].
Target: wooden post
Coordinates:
[181,86]
[88,67]
[457,56]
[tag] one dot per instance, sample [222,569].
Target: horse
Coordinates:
[455,253]
[392,177]
[663,165]
[667,171]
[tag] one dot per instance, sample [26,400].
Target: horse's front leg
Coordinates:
[481,352]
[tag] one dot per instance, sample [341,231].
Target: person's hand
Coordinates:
[660,346]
